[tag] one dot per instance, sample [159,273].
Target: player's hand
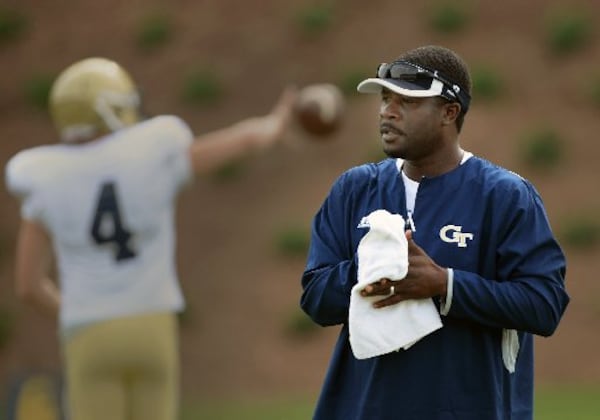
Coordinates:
[271,127]
[424,279]
[216,148]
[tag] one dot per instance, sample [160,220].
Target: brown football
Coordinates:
[319,109]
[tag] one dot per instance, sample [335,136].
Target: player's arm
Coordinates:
[211,150]
[33,262]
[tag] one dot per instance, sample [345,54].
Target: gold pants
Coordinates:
[124,369]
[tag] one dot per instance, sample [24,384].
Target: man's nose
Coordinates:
[389,111]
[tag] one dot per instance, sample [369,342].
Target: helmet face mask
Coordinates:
[93,97]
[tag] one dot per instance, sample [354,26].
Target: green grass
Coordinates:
[564,402]
[275,409]
[552,402]
[577,402]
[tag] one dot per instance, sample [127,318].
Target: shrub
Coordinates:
[568,31]
[12,25]
[300,324]
[581,232]
[350,79]
[448,17]
[315,19]
[7,322]
[229,171]
[293,241]
[542,148]
[154,31]
[594,90]
[486,83]
[37,90]
[202,87]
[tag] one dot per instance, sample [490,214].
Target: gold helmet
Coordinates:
[92,97]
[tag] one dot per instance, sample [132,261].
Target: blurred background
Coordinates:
[243,232]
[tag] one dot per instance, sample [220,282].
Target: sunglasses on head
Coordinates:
[404,70]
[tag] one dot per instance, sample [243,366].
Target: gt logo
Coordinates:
[452,234]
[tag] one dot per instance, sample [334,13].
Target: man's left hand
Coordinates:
[424,279]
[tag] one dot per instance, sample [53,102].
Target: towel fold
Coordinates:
[383,253]
[510,349]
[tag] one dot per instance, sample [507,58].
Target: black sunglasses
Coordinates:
[404,70]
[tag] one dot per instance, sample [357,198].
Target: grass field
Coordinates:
[279,409]
[565,402]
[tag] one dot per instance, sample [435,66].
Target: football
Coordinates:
[319,109]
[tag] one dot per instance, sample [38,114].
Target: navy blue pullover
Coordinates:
[509,275]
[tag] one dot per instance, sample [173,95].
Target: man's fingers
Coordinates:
[391,300]
[381,287]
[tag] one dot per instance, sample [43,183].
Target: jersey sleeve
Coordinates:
[20,177]
[178,154]
[175,138]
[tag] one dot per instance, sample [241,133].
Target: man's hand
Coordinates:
[424,279]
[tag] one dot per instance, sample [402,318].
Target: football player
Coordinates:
[102,201]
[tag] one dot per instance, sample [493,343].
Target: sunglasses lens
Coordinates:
[398,71]
[401,71]
[382,70]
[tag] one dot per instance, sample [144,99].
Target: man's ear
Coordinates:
[450,113]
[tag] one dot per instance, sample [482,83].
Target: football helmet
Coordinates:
[93,97]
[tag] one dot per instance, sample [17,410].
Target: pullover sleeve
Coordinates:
[331,266]
[529,292]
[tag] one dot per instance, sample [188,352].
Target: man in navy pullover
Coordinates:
[479,244]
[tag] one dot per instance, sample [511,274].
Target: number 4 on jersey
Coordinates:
[107,210]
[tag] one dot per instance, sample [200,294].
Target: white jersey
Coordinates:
[109,206]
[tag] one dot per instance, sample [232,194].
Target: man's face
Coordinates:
[411,128]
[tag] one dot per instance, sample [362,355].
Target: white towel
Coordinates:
[383,253]
[510,349]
